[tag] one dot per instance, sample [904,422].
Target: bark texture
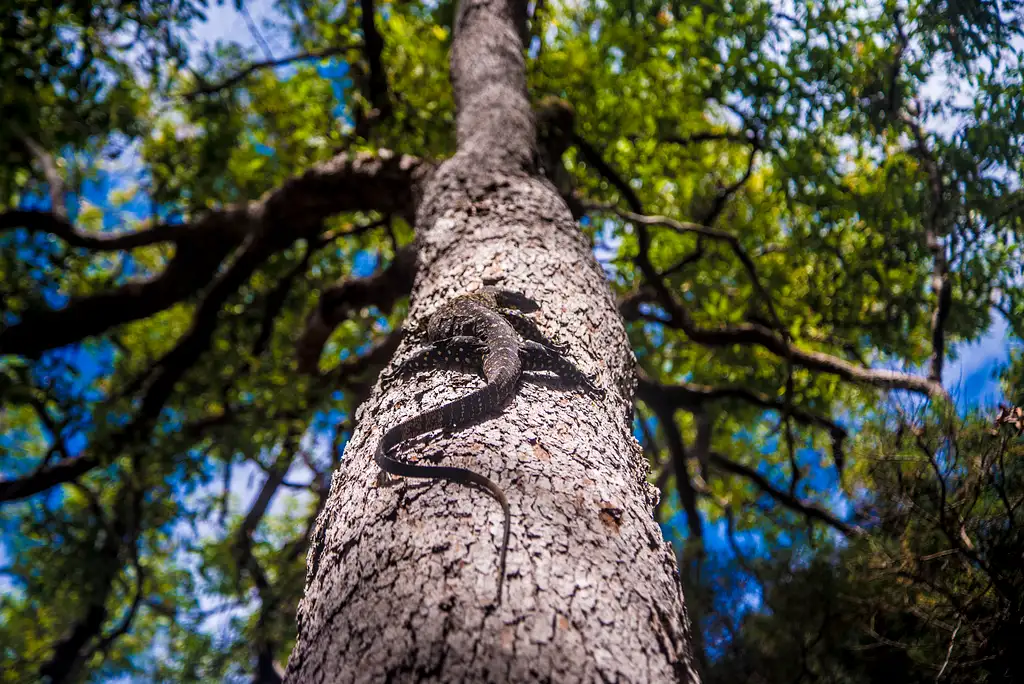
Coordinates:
[400,581]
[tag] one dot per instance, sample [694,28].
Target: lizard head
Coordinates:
[507,299]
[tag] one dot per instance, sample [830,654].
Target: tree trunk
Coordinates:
[401,579]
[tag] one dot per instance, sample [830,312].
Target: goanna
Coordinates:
[473,332]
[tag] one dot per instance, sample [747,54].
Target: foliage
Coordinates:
[933,594]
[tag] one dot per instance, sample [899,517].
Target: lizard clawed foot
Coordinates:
[559,347]
[594,389]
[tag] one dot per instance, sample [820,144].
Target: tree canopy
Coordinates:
[806,211]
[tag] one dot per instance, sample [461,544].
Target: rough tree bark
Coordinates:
[400,580]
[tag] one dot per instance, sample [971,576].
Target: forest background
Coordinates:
[853,172]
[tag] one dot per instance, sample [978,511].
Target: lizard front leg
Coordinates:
[537,357]
[529,330]
[463,353]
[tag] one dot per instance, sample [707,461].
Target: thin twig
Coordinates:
[761,482]
[949,651]
[257,66]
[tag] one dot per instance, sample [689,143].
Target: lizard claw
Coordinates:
[594,389]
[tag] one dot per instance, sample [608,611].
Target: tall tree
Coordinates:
[399,584]
[206,257]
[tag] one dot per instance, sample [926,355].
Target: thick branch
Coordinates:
[348,375]
[192,266]
[677,452]
[159,384]
[133,609]
[666,414]
[296,209]
[382,182]
[339,301]
[275,302]
[752,333]
[47,477]
[35,221]
[373,48]
[173,366]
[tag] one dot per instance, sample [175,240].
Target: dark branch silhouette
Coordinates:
[373,49]
[811,510]
[341,300]
[235,79]
[360,182]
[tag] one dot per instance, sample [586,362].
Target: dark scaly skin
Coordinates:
[470,331]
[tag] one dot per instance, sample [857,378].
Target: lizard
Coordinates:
[473,332]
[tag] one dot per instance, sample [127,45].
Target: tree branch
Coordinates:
[254,30]
[35,221]
[45,478]
[172,366]
[708,136]
[942,286]
[594,158]
[690,397]
[677,452]
[759,335]
[71,652]
[810,510]
[209,89]
[264,644]
[666,414]
[753,333]
[722,196]
[714,234]
[193,265]
[159,383]
[339,301]
[361,182]
[348,374]
[373,48]
[133,609]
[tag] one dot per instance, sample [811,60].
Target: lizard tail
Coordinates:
[459,476]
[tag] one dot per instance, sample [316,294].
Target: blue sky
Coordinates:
[972,376]
[225,23]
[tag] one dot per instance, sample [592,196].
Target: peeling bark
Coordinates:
[400,579]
